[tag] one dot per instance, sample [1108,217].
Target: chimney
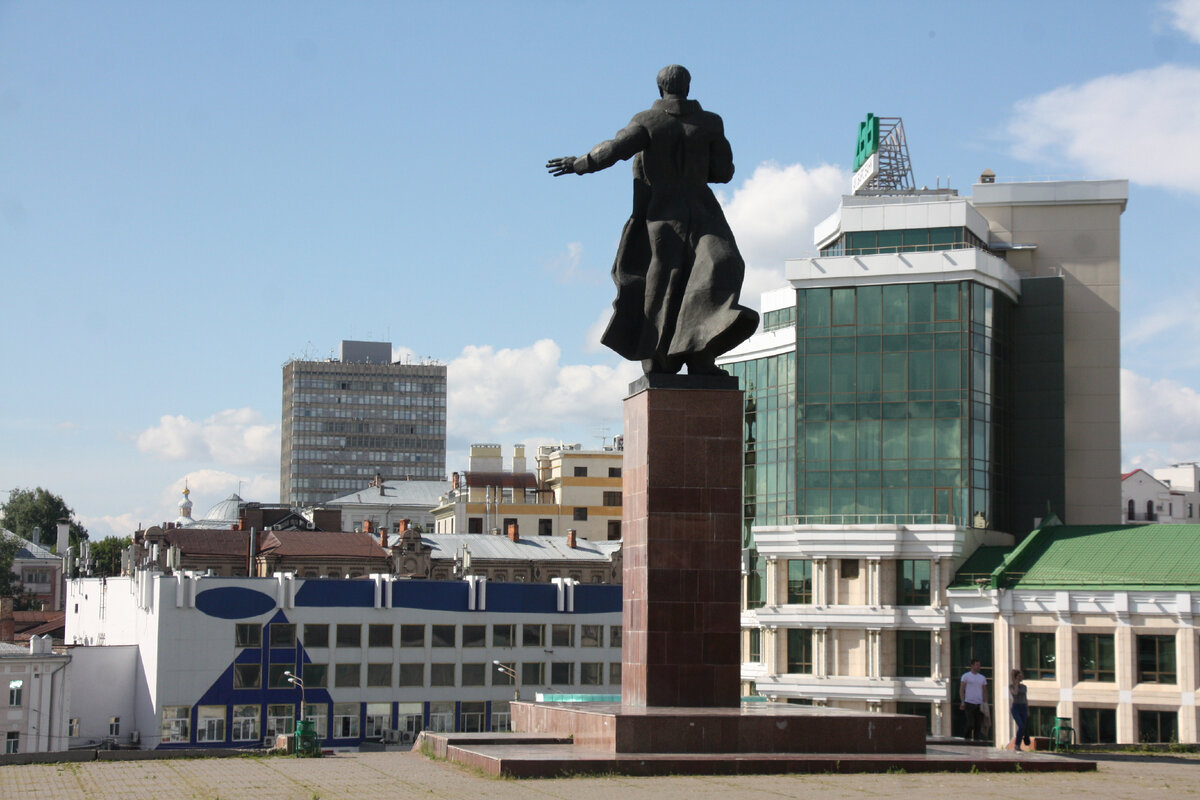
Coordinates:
[571,538]
[383,533]
[454,480]
[367,526]
[513,533]
[404,525]
[7,625]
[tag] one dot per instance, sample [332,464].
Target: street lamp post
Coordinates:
[294,681]
[512,673]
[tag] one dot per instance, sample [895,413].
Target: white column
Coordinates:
[874,590]
[820,578]
[935,583]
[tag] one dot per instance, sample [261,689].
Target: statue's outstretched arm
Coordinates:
[625,145]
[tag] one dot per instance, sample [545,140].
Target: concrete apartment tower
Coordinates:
[350,419]
[939,378]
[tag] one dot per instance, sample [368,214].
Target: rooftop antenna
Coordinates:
[601,433]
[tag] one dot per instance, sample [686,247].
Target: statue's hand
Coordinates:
[561,166]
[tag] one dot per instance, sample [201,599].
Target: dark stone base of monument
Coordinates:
[751,728]
[681,548]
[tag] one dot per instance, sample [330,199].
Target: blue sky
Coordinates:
[193,193]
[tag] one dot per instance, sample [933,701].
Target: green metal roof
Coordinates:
[1104,557]
[979,566]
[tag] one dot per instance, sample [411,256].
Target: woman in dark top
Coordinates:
[1020,708]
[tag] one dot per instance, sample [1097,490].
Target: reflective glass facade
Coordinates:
[901,402]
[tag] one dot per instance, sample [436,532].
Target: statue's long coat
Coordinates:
[678,271]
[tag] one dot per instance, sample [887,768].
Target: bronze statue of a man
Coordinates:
[678,271]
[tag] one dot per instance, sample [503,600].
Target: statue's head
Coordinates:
[674,80]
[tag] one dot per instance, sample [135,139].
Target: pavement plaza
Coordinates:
[363,776]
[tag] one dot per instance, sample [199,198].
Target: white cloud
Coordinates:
[591,338]
[1142,125]
[497,395]
[1185,17]
[567,267]
[210,486]
[773,214]
[67,426]
[109,525]
[1160,421]
[233,436]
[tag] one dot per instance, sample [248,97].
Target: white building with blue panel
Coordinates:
[188,660]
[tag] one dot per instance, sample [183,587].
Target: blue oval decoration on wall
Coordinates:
[234,602]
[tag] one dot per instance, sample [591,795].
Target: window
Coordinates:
[799,650]
[445,635]
[316,635]
[245,723]
[591,635]
[275,677]
[1097,726]
[474,674]
[345,720]
[755,637]
[614,635]
[349,635]
[441,674]
[849,568]
[114,726]
[247,635]
[1157,727]
[579,514]
[533,635]
[247,676]
[210,723]
[176,724]
[379,717]
[504,635]
[799,581]
[500,677]
[411,675]
[346,675]
[1037,656]
[318,713]
[545,527]
[912,583]
[918,710]
[315,676]
[281,719]
[562,673]
[12,742]
[73,727]
[474,635]
[508,523]
[379,674]
[379,635]
[580,472]
[474,524]
[614,673]
[614,530]
[283,634]
[1041,720]
[1097,657]
[15,689]
[562,635]
[1156,659]
[913,654]
[591,674]
[412,635]
[533,673]
[614,472]
[612,498]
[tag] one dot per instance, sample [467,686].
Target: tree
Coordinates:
[27,509]
[9,582]
[106,555]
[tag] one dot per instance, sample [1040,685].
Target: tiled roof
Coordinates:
[324,545]
[202,542]
[540,548]
[1105,557]
[424,494]
[27,549]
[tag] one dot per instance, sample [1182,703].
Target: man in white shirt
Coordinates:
[973,695]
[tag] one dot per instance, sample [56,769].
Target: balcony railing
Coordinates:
[876,519]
